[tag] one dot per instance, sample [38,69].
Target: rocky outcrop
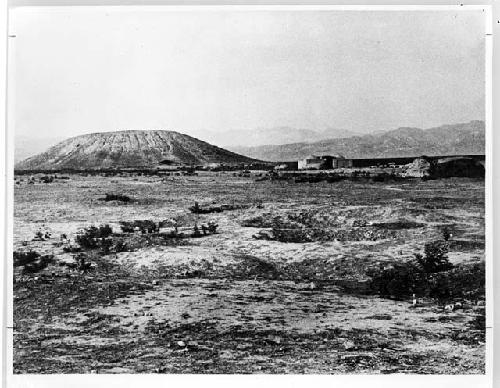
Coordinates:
[425,167]
[458,166]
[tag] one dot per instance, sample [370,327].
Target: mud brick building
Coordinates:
[324,162]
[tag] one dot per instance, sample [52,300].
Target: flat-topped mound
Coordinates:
[128,149]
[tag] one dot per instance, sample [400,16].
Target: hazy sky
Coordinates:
[81,70]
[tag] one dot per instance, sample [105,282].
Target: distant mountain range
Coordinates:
[465,138]
[25,146]
[129,149]
[271,136]
[148,148]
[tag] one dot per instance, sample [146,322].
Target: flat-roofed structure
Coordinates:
[324,162]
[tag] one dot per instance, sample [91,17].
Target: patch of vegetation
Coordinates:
[144,226]
[414,277]
[290,232]
[21,258]
[435,258]
[466,245]
[31,261]
[293,232]
[254,267]
[197,209]
[117,197]
[121,246]
[431,275]
[397,225]
[262,221]
[462,281]
[93,237]
[399,281]
[47,179]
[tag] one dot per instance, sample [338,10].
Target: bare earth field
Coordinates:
[230,302]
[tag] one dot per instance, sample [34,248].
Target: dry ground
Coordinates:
[230,303]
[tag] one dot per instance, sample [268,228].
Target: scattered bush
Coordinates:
[263,221]
[117,197]
[212,227]
[431,276]
[105,244]
[31,261]
[290,232]
[82,262]
[42,236]
[399,281]
[121,246]
[21,258]
[197,209]
[93,236]
[144,226]
[435,258]
[254,267]
[47,179]
[463,281]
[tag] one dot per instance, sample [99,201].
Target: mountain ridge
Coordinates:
[271,136]
[449,139]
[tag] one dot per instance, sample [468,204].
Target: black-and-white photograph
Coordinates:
[249,190]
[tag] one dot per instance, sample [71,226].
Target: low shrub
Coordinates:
[21,258]
[145,226]
[117,197]
[463,281]
[254,267]
[430,275]
[82,262]
[31,261]
[435,258]
[399,281]
[92,237]
[290,232]
[121,246]
[263,221]
[197,209]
